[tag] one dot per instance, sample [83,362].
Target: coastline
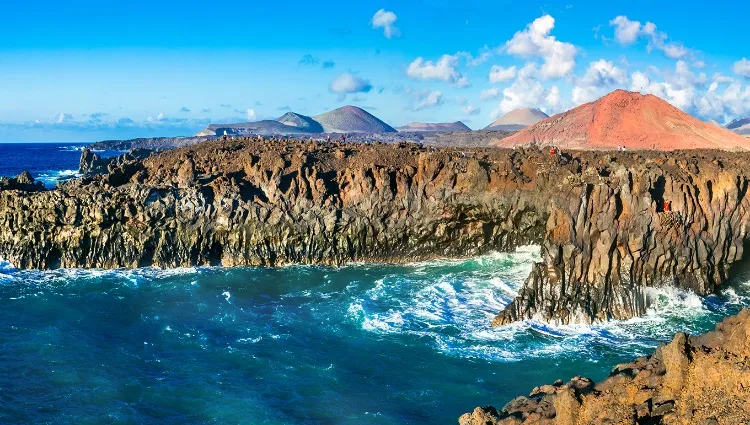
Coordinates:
[596,215]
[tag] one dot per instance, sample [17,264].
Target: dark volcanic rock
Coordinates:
[598,216]
[701,380]
[24,182]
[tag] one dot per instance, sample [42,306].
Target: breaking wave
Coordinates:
[452,302]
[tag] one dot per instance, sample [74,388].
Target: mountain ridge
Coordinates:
[438,126]
[630,119]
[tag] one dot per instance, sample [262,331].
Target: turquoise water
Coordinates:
[362,344]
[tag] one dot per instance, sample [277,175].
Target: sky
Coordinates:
[91,70]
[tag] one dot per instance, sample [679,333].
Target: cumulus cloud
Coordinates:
[484,54]
[470,110]
[628,32]
[553,99]
[742,67]
[386,19]
[724,100]
[489,94]
[720,98]
[251,116]
[600,77]
[462,83]
[347,83]
[184,109]
[329,64]
[528,92]
[426,99]
[535,41]
[444,69]
[498,74]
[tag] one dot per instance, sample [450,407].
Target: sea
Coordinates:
[359,344]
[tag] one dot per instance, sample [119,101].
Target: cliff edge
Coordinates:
[609,225]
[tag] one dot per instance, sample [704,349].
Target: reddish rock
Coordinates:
[628,119]
[702,380]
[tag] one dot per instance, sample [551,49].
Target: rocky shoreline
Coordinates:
[691,380]
[609,224]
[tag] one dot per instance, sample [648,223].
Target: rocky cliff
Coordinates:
[609,224]
[701,380]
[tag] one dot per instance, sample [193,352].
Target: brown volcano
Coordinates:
[628,119]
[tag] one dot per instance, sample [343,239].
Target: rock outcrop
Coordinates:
[609,224]
[701,380]
[24,182]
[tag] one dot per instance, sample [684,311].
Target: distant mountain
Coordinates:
[740,126]
[300,121]
[440,126]
[265,127]
[350,119]
[347,119]
[517,119]
[152,143]
[630,119]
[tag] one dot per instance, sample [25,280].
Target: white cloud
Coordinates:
[742,67]
[553,99]
[470,110]
[347,83]
[536,41]
[686,90]
[528,92]
[488,94]
[443,70]
[498,74]
[251,116]
[471,60]
[627,32]
[158,119]
[462,83]
[63,117]
[386,19]
[724,100]
[427,99]
[600,77]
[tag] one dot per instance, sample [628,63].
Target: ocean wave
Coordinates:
[452,303]
[73,148]
[51,177]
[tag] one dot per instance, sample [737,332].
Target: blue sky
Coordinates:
[86,71]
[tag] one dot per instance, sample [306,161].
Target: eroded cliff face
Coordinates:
[701,380]
[597,216]
[246,202]
[606,240]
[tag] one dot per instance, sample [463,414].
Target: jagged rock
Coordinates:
[598,216]
[701,380]
[24,182]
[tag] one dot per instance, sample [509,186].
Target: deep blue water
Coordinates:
[362,344]
[48,162]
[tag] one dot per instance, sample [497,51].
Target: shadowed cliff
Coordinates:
[599,217]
